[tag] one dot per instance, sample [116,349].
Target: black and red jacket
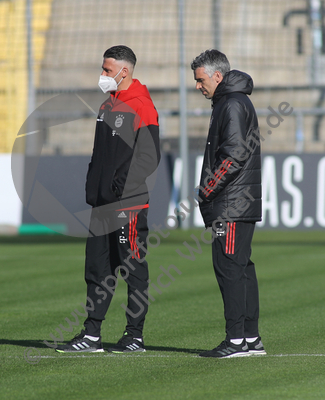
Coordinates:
[230,185]
[126,149]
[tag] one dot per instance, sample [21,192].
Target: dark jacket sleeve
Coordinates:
[227,159]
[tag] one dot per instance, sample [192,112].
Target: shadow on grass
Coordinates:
[173,349]
[38,344]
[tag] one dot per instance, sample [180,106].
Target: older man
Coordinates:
[230,194]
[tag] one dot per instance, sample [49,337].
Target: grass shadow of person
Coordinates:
[39,344]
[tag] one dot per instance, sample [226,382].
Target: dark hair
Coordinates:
[212,61]
[121,53]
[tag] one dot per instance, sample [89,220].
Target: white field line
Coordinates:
[160,355]
[96,356]
[297,355]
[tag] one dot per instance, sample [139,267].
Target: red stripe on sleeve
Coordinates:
[218,174]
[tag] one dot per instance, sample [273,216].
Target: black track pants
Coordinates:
[105,256]
[235,273]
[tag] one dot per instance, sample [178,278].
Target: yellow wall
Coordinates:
[13,63]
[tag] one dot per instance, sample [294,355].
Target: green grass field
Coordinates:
[42,283]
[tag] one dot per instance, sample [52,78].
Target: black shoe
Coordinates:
[80,344]
[127,344]
[256,348]
[226,349]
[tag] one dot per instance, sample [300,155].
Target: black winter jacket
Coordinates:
[230,185]
[126,149]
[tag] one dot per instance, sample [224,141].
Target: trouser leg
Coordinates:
[134,270]
[101,282]
[231,259]
[105,256]
[252,302]
[99,269]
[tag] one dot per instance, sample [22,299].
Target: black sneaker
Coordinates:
[226,349]
[80,344]
[256,348]
[127,344]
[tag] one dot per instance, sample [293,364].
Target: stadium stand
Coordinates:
[280,44]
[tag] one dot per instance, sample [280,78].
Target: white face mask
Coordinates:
[109,84]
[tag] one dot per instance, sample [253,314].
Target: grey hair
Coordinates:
[212,61]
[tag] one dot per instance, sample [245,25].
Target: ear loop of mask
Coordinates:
[117,75]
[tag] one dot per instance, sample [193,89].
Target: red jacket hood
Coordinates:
[136,97]
[135,90]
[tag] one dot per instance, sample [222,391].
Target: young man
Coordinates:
[230,194]
[126,152]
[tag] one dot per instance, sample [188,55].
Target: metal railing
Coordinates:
[298,113]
